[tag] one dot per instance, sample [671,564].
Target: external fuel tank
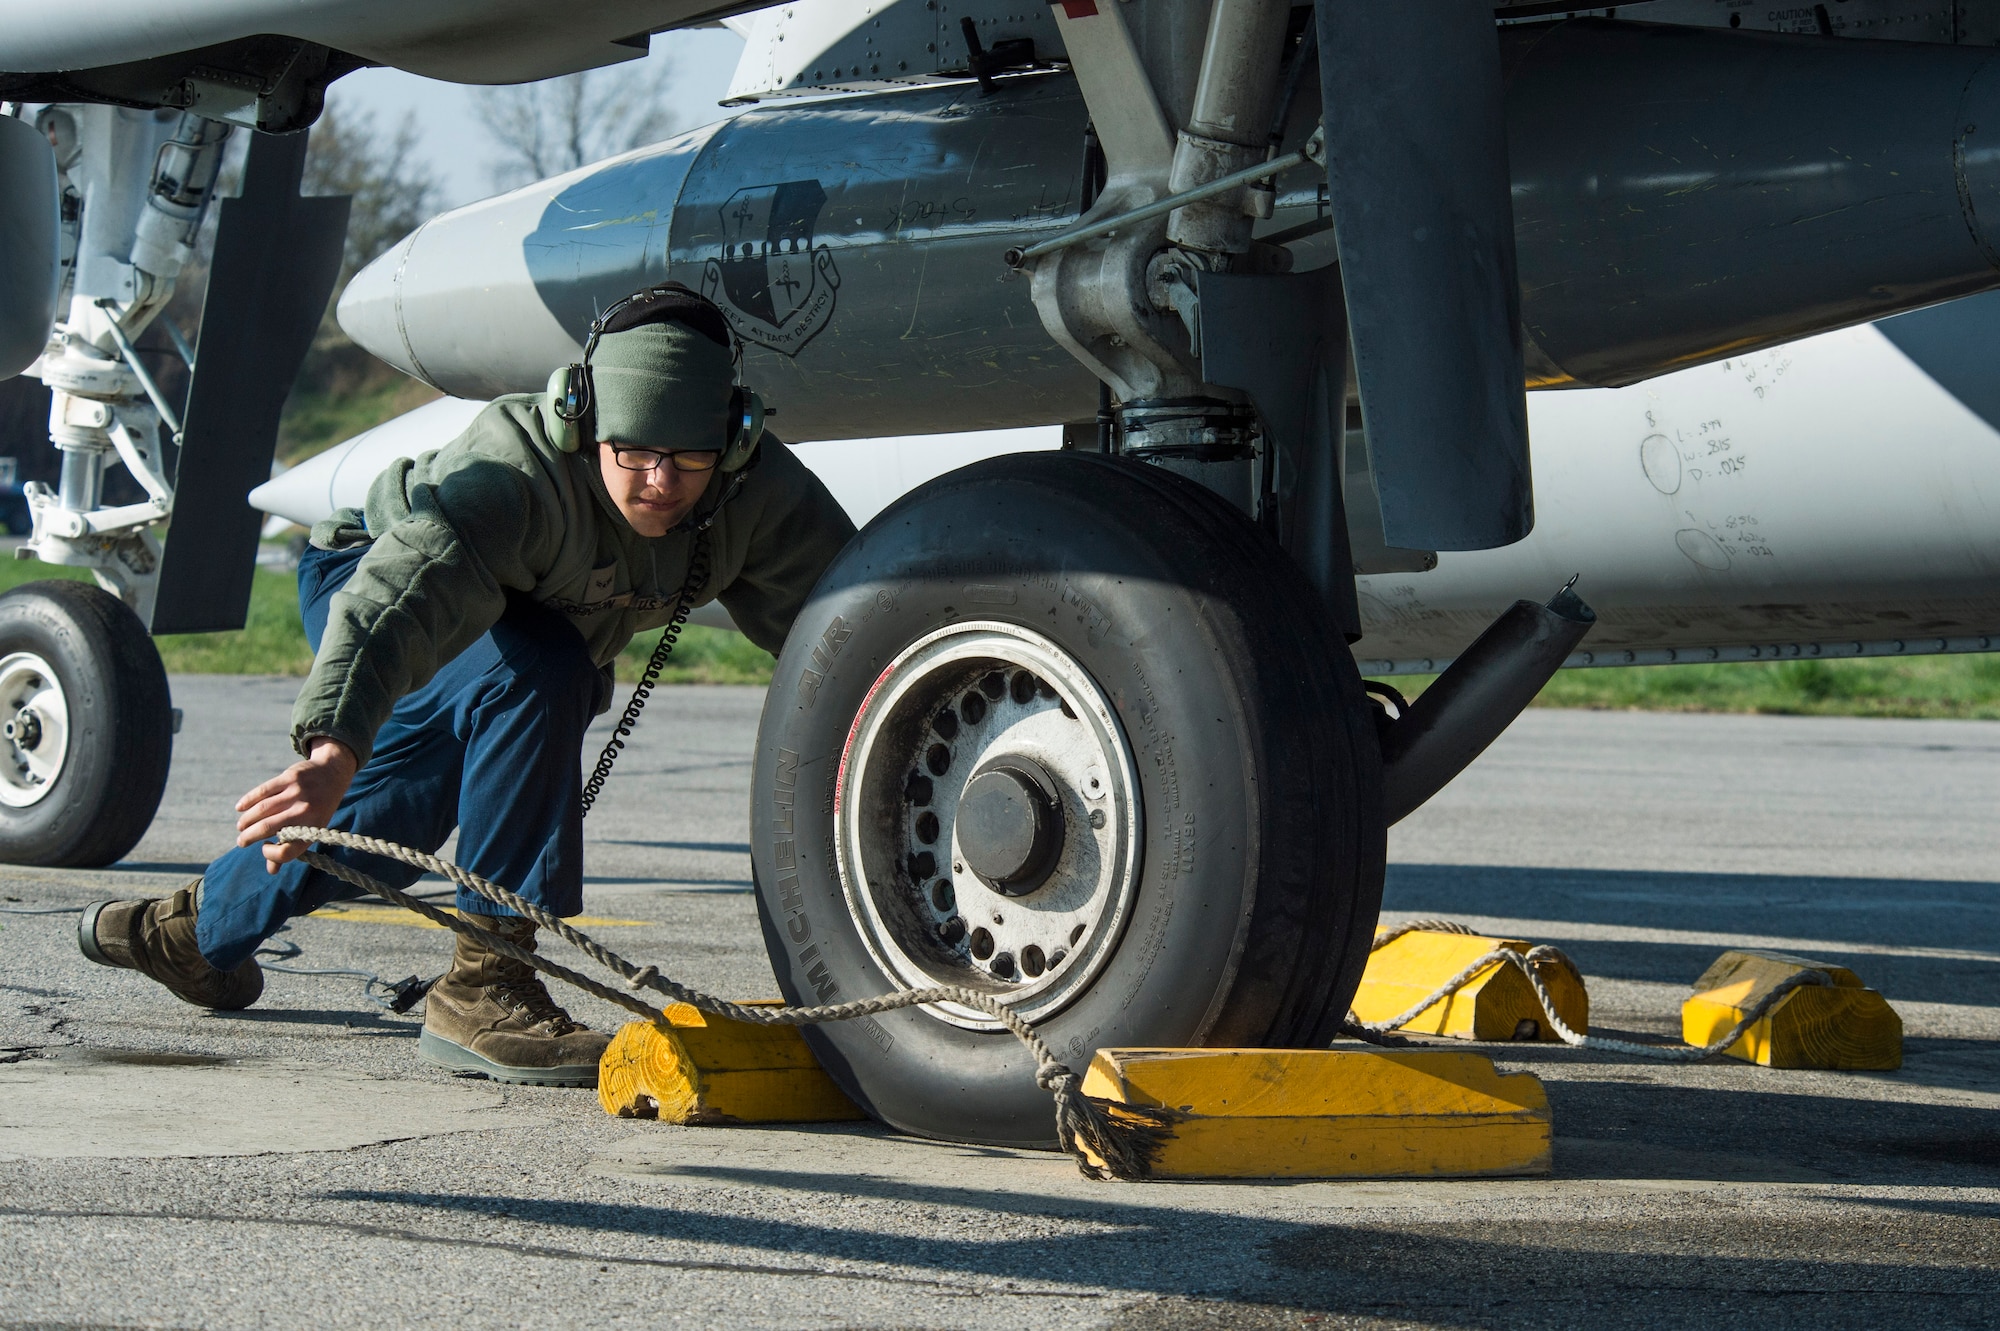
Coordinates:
[1698,205]
[854,243]
[1681,195]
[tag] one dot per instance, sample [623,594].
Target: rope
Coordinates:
[628,721]
[1526,963]
[1384,937]
[1127,1138]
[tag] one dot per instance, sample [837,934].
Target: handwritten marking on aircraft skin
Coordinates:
[930,213]
[1718,545]
[1706,450]
[1763,372]
[1661,462]
[1702,548]
[1682,460]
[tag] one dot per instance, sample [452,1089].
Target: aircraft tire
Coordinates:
[1196,727]
[86,726]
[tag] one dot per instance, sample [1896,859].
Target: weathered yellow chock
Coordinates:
[1845,1025]
[1323,1113]
[711,1070]
[1496,1004]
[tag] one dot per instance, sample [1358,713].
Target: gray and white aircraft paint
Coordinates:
[1818,496]
[1837,496]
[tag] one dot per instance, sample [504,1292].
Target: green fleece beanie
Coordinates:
[661,385]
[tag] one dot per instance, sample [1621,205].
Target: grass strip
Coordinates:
[1955,687]
[273,641]
[1940,687]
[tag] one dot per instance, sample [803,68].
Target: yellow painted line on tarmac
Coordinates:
[409,918]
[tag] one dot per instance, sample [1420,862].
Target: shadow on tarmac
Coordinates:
[1860,1265]
[720,847]
[1874,913]
[365,1020]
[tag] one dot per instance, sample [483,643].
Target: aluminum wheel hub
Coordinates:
[36,730]
[987,821]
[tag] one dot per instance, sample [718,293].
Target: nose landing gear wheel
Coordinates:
[1067,730]
[86,726]
[1008,860]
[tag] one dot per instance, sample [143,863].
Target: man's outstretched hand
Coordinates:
[303,795]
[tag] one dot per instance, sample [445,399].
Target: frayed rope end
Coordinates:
[1127,1139]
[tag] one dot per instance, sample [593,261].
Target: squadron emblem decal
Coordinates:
[774,286]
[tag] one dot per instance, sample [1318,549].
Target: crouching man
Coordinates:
[464,627]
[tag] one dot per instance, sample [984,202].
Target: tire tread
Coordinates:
[95,633]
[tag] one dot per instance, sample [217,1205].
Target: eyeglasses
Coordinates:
[683,459]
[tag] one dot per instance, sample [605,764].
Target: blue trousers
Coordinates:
[491,745]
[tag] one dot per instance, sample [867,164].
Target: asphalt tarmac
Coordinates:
[295,1165]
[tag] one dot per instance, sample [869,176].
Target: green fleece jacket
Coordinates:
[500,510]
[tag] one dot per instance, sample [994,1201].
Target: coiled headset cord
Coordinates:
[697,578]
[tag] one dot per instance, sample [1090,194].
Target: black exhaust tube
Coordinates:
[1468,706]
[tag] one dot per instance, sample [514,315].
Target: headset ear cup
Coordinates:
[565,431]
[749,411]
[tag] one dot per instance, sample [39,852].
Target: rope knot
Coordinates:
[1057,1078]
[643,977]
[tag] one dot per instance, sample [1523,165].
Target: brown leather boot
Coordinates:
[156,938]
[490,1015]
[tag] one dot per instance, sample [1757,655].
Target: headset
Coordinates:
[569,411]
